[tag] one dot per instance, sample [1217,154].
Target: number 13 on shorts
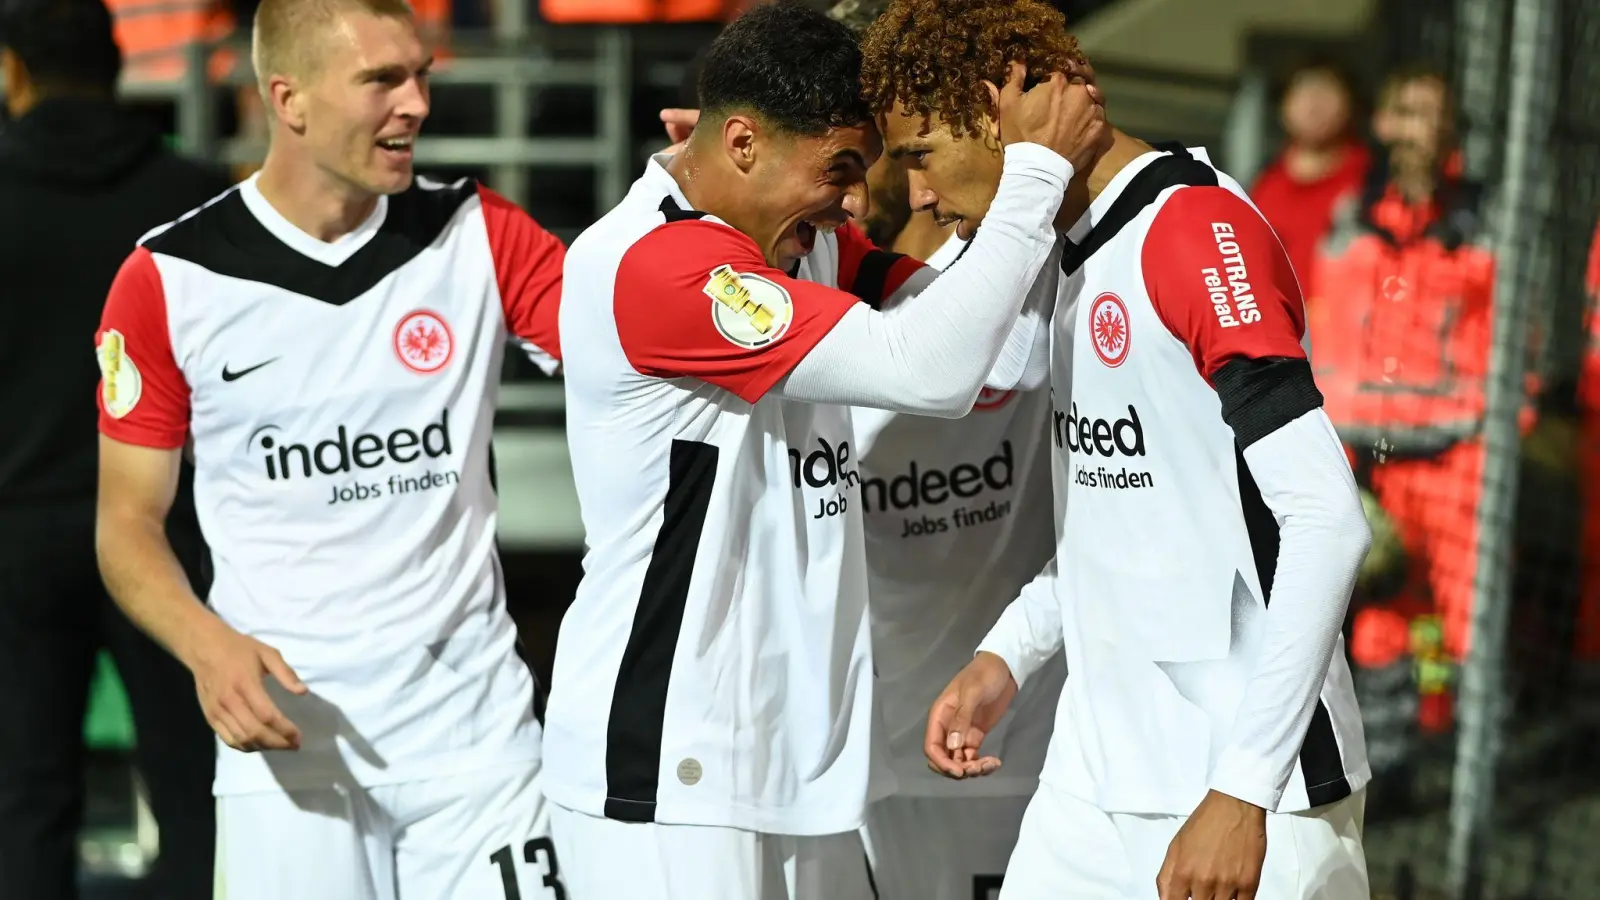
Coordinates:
[538,870]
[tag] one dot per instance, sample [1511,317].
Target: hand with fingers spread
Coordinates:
[1218,853]
[970,706]
[679,124]
[229,674]
[1060,112]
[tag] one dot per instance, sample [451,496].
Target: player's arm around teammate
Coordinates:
[137,487]
[918,347]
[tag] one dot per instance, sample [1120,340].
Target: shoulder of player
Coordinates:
[1201,205]
[192,224]
[680,247]
[427,208]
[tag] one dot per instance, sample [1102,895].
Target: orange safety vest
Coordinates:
[631,12]
[155,35]
[1399,315]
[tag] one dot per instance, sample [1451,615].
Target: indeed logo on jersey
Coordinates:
[1231,300]
[1088,436]
[918,487]
[287,460]
[828,466]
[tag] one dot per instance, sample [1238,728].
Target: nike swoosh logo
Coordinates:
[235,376]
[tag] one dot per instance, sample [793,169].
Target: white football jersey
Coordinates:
[715,667]
[958,517]
[340,398]
[1166,551]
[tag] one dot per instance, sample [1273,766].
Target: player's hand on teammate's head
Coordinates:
[230,671]
[1218,853]
[971,705]
[679,124]
[1060,112]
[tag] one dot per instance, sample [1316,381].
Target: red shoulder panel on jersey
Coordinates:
[527,264]
[143,398]
[696,298]
[1221,281]
[868,272]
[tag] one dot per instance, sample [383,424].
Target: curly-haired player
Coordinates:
[1208,527]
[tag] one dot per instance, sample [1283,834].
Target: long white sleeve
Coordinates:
[1304,478]
[1028,633]
[932,353]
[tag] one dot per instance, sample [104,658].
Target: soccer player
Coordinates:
[328,339]
[1207,744]
[958,518]
[709,730]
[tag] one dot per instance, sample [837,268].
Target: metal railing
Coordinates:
[512,61]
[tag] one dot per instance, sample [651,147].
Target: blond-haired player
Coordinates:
[328,337]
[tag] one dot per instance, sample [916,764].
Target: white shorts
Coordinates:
[477,836]
[604,859]
[941,848]
[1069,848]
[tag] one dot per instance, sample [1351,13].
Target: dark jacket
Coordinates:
[81,180]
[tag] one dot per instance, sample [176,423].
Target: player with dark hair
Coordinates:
[711,714]
[1209,530]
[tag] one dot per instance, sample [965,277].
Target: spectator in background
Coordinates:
[1399,316]
[1587,639]
[80,181]
[1322,160]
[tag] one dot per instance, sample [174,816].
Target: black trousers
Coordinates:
[54,617]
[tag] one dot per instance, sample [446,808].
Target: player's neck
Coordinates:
[311,200]
[1125,148]
[707,193]
[1083,190]
[921,237]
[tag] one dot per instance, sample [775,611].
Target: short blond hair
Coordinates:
[286,32]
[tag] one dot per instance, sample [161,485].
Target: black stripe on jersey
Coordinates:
[226,238]
[675,213]
[1178,167]
[639,700]
[1320,761]
[872,275]
[1259,396]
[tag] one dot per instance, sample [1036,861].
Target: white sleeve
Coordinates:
[1304,478]
[933,352]
[1028,633]
[1024,362]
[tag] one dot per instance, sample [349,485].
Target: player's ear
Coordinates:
[739,135]
[287,102]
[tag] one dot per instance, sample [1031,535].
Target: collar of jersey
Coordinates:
[1119,182]
[660,180]
[331,253]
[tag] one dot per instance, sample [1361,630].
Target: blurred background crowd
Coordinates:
[1432,166]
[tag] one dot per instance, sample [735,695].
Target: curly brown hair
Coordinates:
[932,56]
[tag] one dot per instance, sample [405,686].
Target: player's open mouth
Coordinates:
[806,234]
[398,148]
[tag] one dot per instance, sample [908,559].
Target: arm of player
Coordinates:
[695,299]
[1220,280]
[1024,362]
[527,264]
[144,417]
[1028,633]
[933,353]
